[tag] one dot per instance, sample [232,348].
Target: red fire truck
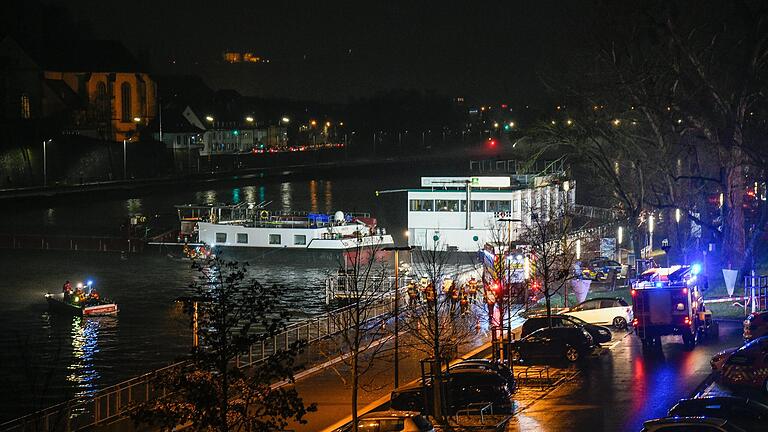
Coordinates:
[669,301]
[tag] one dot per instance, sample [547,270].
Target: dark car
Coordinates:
[569,343]
[600,334]
[463,386]
[500,368]
[748,366]
[690,424]
[744,413]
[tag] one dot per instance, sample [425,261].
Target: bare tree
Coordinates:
[363,330]
[552,249]
[441,320]
[676,89]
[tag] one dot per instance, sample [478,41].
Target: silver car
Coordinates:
[391,421]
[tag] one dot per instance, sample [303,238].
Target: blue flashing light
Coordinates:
[90,282]
[659,284]
[695,268]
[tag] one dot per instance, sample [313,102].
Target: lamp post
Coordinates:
[507,282]
[45,163]
[397,249]
[125,173]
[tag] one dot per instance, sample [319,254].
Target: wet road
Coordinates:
[624,387]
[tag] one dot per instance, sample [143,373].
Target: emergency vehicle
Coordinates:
[669,301]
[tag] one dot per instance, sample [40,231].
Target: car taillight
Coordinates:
[635,322]
[687,321]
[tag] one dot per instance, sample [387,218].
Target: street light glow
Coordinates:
[285,120]
[209,118]
[650,224]
[249,119]
[137,119]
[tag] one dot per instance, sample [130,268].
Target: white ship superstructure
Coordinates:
[438,215]
[250,225]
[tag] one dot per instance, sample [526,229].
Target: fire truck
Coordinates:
[669,301]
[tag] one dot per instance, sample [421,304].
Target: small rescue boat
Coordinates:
[89,307]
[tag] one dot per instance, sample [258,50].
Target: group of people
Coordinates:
[460,296]
[78,295]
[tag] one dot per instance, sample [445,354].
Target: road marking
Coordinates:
[613,345]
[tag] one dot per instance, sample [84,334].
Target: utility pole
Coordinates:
[397,249]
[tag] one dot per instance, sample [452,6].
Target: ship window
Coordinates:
[299,239]
[422,205]
[242,238]
[498,206]
[477,206]
[275,239]
[447,205]
[221,237]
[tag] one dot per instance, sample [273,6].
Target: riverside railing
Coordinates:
[118,400]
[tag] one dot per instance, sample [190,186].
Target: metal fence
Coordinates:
[755,293]
[315,329]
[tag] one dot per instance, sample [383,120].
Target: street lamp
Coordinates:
[650,234]
[397,249]
[285,119]
[45,162]
[125,172]
[249,119]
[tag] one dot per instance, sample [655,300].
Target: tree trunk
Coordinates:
[636,244]
[734,240]
[355,380]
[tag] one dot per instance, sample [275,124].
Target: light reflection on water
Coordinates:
[133,206]
[50,217]
[313,196]
[328,194]
[85,345]
[285,196]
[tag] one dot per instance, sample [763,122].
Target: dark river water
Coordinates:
[47,358]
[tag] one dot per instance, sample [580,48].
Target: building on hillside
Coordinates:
[97,88]
[439,218]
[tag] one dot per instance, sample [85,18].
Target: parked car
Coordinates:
[755,325]
[744,413]
[599,333]
[748,366]
[690,424]
[464,387]
[718,360]
[569,343]
[500,368]
[390,421]
[614,311]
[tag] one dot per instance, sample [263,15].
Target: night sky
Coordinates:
[487,51]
